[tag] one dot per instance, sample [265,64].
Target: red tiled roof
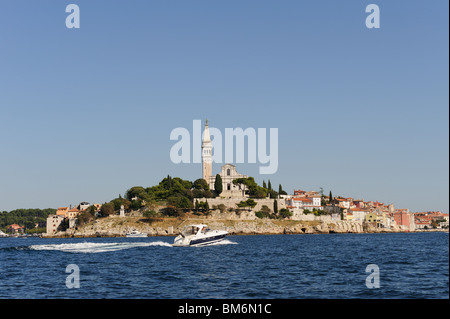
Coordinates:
[303,199]
[15,226]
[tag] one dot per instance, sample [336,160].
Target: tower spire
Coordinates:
[206,154]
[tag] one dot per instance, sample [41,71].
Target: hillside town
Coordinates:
[231,195]
[302,205]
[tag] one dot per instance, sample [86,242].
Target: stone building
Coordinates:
[53,222]
[206,154]
[228,173]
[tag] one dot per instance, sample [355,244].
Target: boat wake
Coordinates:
[87,247]
[96,247]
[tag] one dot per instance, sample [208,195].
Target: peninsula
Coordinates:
[228,200]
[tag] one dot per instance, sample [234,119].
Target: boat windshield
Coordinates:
[194,229]
[190,230]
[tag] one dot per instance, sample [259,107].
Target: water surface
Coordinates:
[411,265]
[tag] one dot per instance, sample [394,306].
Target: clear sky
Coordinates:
[87,113]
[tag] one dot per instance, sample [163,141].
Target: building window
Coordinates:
[228,172]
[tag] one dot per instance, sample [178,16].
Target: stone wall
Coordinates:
[232,202]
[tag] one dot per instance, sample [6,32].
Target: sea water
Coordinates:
[410,265]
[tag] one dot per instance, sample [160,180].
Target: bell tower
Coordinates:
[206,154]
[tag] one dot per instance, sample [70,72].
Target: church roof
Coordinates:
[227,164]
[206,136]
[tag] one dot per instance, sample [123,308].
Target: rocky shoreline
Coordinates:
[116,226]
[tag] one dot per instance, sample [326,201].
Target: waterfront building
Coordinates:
[62,211]
[15,229]
[372,217]
[72,213]
[53,222]
[348,214]
[309,203]
[83,206]
[404,219]
[343,202]
[386,219]
[359,214]
[425,219]
[299,192]
[359,203]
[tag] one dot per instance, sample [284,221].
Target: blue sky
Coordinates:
[87,113]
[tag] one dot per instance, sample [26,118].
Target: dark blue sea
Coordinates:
[407,265]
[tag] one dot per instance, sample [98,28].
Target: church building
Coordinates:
[228,172]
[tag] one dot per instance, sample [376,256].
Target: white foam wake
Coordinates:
[222,242]
[96,247]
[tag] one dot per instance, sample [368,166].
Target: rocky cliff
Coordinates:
[235,225]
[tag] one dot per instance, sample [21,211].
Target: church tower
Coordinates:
[206,154]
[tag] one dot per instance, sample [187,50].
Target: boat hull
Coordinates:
[199,241]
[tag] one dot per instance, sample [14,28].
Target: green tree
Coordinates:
[179,201]
[272,194]
[285,213]
[218,187]
[201,184]
[264,212]
[135,204]
[251,203]
[136,191]
[259,214]
[197,206]
[247,203]
[117,202]
[91,210]
[275,206]
[107,209]
[252,188]
[222,208]
[85,217]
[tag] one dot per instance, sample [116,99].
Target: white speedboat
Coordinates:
[199,235]
[136,233]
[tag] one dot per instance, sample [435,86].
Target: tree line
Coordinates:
[178,195]
[175,194]
[30,218]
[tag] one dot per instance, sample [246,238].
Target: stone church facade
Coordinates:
[228,174]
